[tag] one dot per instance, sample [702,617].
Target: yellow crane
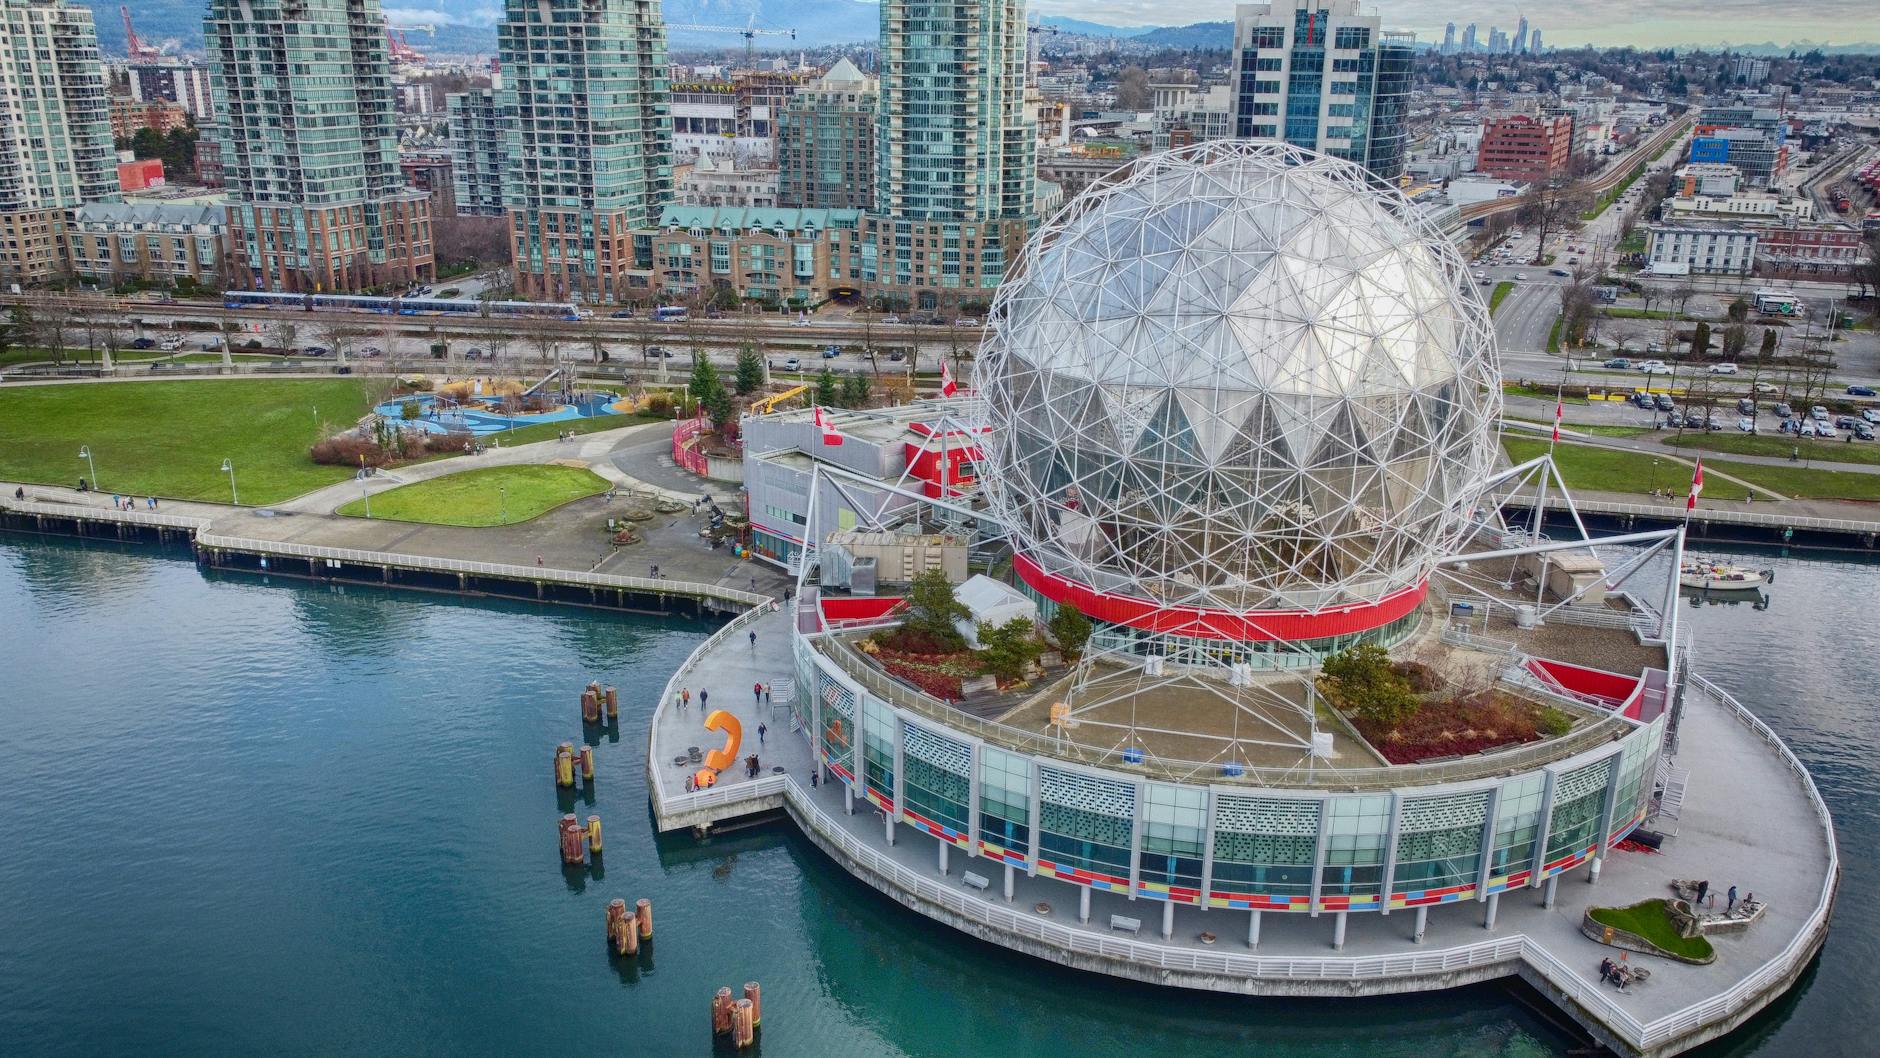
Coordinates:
[769,404]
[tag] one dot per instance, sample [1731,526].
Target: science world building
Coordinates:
[1240,409]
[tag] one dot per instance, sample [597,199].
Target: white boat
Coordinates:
[1721,576]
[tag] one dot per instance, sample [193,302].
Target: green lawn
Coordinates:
[1648,919]
[1515,389]
[547,431]
[1779,446]
[169,438]
[1613,313]
[1804,482]
[1612,194]
[1553,335]
[487,496]
[35,354]
[1616,470]
[1501,292]
[1596,429]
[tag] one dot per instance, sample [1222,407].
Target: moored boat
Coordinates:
[1722,576]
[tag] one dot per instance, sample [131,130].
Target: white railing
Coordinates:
[1711,514]
[717,795]
[1802,946]
[491,569]
[105,514]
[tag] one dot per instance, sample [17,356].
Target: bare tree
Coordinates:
[1550,210]
[339,336]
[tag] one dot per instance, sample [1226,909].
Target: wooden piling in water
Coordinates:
[743,1029]
[721,1011]
[594,835]
[613,703]
[587,763]
[643,913]
[752,993]
[590,706]
[573,849]
[619,926]
[564,764]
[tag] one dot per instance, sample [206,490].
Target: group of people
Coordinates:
[1619,975]
[129,503]
[1707,897]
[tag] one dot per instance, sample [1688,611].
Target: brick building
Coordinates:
[1528,149]
[128,115]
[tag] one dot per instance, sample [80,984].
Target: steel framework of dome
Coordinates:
[1241,378]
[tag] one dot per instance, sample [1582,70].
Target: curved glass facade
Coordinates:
[1228,846]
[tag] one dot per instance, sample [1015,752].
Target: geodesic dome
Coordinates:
[1240,378]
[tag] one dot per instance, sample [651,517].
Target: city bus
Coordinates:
[670,314]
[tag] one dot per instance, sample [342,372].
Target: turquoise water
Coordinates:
[243,817]
[483,423]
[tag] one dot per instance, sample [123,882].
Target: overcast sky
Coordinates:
[1648,24]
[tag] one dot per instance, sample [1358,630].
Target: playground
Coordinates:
[482,407]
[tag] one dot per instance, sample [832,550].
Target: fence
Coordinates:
[104,514]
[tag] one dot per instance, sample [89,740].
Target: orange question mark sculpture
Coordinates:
[720,759]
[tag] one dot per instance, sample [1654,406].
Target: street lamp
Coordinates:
[229,469]
[84,452]
[503,494]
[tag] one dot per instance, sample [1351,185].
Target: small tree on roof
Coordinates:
[932,608]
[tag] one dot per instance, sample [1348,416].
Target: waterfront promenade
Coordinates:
[1750,818]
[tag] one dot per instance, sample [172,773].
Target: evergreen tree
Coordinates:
[854,390]
[1768,342]
[1700,339]
[750,377]
[828,390]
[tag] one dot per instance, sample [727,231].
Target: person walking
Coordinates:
[685,697]
[703,696]
[1730,898]
[761,729]
[757,693]
[753,639]
[1703,888]
[766,694]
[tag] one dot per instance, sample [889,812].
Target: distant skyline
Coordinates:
[1601,22]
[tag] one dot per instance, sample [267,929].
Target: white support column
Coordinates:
[1207,854]
[1488,916]
[1390,854]
[1253,929]
[1318,855]
[1423,922]
[1552,884]
[1338,931]
[1135,841]
[1083,903]
[1034,812]
[848,798]
[972,802]
[1545,831]
[887,827]
[943,846]
[1607,806]
[899,785]
[1168,919]
[1009,872]
[1486,865]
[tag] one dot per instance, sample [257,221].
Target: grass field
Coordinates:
[1515,389]
[1648,919]
[1641,314]
[1502,290]
[547,431]
[1616,470]
[168,439]
[1743,444]
[489,496]
[1596,429]
[34,355]
[1801,482]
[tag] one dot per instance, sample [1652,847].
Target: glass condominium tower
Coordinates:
[1317,74]
[589,161]
[55,133]
[955,152]
[309,136]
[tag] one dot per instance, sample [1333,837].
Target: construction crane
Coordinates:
[749,32]
[134,47]
[401,49]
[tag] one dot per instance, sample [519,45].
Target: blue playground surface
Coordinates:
[482,423]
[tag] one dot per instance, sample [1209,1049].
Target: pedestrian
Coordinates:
[766,694]
[812,779]
[1703,888]
[703,696]
[761,729]
[117,501]
[685,697]
[757,693]
[753,639]
[1730,904]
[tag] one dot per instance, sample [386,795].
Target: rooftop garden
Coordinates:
[1408,712]
[1649,921]
[928,651]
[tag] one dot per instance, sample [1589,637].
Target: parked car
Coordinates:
[891,319]
[1746,424]
[1746,406]
[1764,387]
[830,352]
[473,353]
[658,352]
[1723,369]
[1643,400]
[1861,391]
[316,350]
[1520,277]
[1618,363]
[371,350]
[966,321]
[1481,277]
[1783,411]
[1846,422]
[1818,413]
[144,343]
[1674,421]
[793,364]
[897,356]
[1662,401]
[1654,367]
[1870,414]
[621,314]
[1863,432]
[212,343]
[171,344]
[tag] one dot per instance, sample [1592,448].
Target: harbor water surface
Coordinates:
[241,816]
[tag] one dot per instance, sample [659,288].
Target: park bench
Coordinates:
[1126,925]
[975,881]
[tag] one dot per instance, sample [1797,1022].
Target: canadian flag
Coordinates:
[1559,410]
[830,435]
[1697,486]
[948,387]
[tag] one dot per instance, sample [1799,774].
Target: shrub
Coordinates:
[1553,722]
[932,608]
[347,450]
[1007,650]
[1071,629]
[1421,677]
[660,404]
[1362,680]
[410,410]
